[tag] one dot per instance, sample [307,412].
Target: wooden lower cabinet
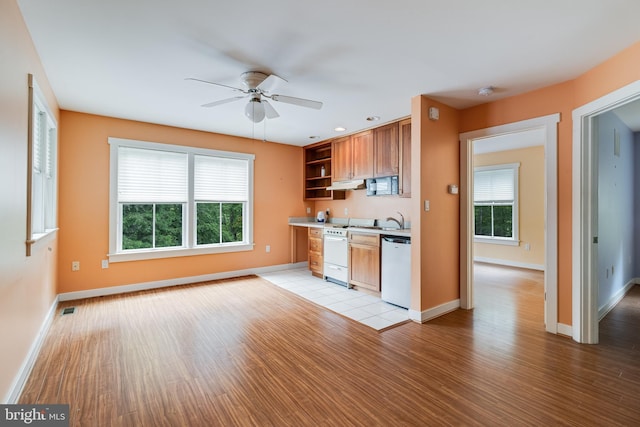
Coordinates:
[364,261]
[316,247]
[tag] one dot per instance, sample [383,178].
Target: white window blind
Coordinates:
[220,179]
[151,176]
[495,185]
[39,120]
[49,152]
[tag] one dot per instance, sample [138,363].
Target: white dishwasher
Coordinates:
[396,270]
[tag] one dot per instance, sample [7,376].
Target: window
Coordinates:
[169,200]
[495,197]
[43,139]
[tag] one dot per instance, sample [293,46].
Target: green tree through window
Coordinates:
[219,223]
[141,229]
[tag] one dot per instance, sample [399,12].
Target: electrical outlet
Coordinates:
[308,210]
[527,247]
[75,266]
[105,263]
[268,248]
[346,211]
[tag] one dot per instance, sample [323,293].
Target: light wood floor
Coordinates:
[245,352]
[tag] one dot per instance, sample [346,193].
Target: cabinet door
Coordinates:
[364,266]
[386,150]
[405,164]
[342,159]
[362,154]
[316,258]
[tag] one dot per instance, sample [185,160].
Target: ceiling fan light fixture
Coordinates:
[254,110]
[486,91]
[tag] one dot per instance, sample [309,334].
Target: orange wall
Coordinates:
[435,164]
[562,98]
[84,203]
[27,284]
[360,206]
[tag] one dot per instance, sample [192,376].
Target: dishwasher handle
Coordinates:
[397,239]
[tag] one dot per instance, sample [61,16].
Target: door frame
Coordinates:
[550,124]
[584,286]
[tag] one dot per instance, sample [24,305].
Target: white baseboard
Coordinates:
[114,290]
[539,267]
[432,313]
[609,305]
[27,365]
[565,330]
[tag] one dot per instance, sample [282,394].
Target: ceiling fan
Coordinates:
[257,88]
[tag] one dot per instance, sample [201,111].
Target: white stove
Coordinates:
[336,250]
[335,230]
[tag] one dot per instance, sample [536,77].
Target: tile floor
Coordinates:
[366,309]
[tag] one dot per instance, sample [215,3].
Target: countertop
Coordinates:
[303,222]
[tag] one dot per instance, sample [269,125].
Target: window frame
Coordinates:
[116,254]
[515,239]
[42,214]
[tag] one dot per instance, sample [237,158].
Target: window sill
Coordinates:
[173,253]
[496,241]
[40,238]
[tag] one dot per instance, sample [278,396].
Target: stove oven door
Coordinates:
[336,250]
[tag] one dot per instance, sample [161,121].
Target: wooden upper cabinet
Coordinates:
[362,155]
[386,150]
[405,155]
[342,159]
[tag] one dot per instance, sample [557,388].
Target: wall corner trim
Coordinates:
[432,313]
[29,361]
[566,330]
[114,290]
[529,266]
[610,305]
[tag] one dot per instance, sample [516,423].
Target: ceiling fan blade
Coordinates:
[297,101]
[222,101]
[216,84]
[269,111]
[269,83]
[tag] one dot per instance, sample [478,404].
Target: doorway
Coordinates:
[548,126]
[585,185]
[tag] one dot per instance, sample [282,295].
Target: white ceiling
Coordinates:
[630,115]
[510,141]
[129,59]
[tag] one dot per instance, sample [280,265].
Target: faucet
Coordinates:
[400,223]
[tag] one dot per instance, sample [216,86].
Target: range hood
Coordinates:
[354,184]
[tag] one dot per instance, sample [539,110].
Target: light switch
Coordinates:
[426,206]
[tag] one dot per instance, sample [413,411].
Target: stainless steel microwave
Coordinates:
[384,186]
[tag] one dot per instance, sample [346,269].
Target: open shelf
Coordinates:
[317,173]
